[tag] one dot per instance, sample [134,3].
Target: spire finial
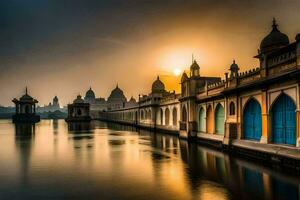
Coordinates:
[117,85]
[26,91]
[192,57]
[233,61]
[274,25]
[90,87]
[157,77]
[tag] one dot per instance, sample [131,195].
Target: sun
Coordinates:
[177,71]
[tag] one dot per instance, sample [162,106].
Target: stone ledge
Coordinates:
[274,149]
[209,136]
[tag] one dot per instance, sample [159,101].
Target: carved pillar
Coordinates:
[265,118]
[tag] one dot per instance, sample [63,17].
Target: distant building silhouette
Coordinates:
[51,107]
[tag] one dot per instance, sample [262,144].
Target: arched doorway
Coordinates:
[209,120]
[284,120]
[167,116]
[219,119]
[184,114]
[252,120]
[174,116]
[202,126]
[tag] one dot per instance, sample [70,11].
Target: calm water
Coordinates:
[104,161]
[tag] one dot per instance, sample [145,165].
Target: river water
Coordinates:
[53,160]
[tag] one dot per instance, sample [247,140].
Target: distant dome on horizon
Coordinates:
[117,94]
[90,94]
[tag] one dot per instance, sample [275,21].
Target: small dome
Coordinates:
[275,39]
[78,99]
[158,86]
[132,100]
[184,77]
[90,94]
[118,94]
[194,66]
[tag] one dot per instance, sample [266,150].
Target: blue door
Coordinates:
[284,121]
[252,120]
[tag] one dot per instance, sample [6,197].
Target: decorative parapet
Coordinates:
[216,85]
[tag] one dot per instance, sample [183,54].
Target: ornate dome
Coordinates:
[90,94]
[158,86]
[184,77]
[275,39]
[117,93]
[78,99]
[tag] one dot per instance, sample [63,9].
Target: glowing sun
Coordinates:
[177,71]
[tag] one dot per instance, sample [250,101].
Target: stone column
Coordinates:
[265,137]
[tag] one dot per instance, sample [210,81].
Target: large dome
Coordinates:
[158,86]
[90,94]
[275,39]
[117,93]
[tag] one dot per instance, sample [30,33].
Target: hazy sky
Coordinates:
[62,47]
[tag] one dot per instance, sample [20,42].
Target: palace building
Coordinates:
[25,109]
[258,109]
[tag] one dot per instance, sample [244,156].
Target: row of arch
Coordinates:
[212,122]
[146,114]
[282,120]
[164,117]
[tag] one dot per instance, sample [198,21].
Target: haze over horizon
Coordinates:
[62,47]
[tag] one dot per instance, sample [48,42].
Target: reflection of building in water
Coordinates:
[80,126]
[24,129]
[24,135]
[78,111]
[25,109]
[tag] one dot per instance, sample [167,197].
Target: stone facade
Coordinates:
[258,106]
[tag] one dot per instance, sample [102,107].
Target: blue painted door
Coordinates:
[284,121]
[252,120]
[219,120]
